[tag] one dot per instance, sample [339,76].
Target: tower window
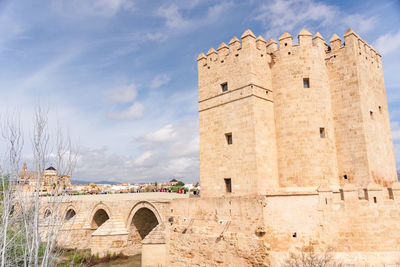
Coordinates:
[306,82]
[345,176]
[322,132]
[228,185]
[371,114]
[380,109]
[228,137]
[390,193]
[224,87]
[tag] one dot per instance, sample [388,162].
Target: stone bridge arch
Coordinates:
[142,219]
[70,212]
[47,212]
[100,214]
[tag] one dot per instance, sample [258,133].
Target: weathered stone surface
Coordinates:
[333,132]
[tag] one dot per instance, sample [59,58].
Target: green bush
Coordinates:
[180,183]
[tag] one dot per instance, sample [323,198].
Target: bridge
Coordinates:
[107,223]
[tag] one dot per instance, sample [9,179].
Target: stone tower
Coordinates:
[236,116]
[300,115]
[362,127]
[303,113]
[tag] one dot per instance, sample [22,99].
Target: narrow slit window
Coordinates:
[380,109]
[345,176]
[228,137]
[228,185]
[224,87]
[390,191]
[366,194]
[306,82]
[374,199]
[371,114]
[322,132]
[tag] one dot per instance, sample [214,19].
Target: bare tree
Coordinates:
[312,259]
[11,132]
[30,223]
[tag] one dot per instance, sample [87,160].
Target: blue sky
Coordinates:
[121,75]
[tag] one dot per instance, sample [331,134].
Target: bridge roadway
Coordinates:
[112,222]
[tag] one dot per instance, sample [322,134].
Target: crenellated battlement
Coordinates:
[239,64]
[353,195]
[235,48]
[356,45]
[305,38]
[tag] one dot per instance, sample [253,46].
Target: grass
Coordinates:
[85,258]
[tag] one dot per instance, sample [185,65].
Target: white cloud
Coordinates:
[42,75]
[361,23]
[143,158]
[179,165]
[214,12]
[176,157]
[173,18]
[395,127]
[134,111]
[160,80]
[187,149]
[156,36]
[11,27]
[388,43]
[101,8]
[288,15]
[122,94]
[166,133]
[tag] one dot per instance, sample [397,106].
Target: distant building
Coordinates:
[173,182]
[49,181]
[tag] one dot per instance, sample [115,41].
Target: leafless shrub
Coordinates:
[31,224]
[312,259]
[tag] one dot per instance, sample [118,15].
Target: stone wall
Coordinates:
[263,231]
[360,226]
[216,232]
[358,231]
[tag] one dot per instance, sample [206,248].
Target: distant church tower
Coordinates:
[301,115]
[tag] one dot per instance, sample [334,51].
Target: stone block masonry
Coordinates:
[299,115]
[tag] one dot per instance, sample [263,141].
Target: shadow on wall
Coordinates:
[144,220]
[99,218]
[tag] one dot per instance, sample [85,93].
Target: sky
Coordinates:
[121,75]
